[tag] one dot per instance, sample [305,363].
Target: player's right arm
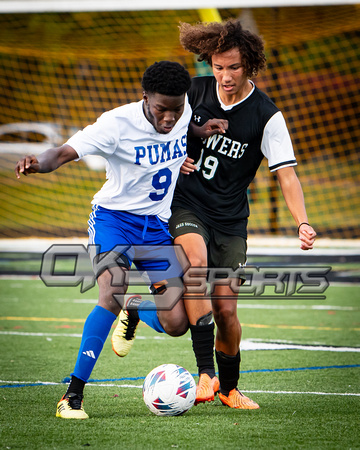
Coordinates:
[47,161]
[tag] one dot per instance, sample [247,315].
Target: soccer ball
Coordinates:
[169,390]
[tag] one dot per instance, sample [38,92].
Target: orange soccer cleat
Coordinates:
[237,400]
[206,389]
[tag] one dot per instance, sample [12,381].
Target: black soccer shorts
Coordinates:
[224,250]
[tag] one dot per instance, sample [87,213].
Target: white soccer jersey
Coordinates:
[142,165]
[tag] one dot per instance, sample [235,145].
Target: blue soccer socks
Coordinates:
[148,314]
[96,329]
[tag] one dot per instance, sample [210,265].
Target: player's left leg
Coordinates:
[192,235]
[198,308]
[165,315]
[227,348]
[228,253]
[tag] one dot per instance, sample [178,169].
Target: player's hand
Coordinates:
[188,167]
[307,237]
[212,126]
[26,165]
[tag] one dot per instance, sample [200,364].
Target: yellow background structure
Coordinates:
[64,69]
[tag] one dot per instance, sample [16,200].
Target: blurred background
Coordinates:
[60,70]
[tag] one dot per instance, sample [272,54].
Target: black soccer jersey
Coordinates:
[226,164]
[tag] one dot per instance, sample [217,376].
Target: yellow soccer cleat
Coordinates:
[123,336]
[206,389]
[237,400]
[71,407]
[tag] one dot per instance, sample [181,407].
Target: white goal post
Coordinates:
[31,6]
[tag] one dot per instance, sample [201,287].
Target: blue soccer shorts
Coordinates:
[142,240]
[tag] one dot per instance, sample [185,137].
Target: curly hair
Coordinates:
[166,78]
[208,39]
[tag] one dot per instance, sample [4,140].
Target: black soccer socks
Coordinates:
[229,367]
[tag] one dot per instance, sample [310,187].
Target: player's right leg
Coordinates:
[110,269]
[96,329]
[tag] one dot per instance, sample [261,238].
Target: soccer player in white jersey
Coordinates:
[144,145]
[210,207]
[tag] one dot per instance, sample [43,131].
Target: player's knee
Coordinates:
[197,260]
[175,327]
[111,304]
[177,331]
[224,315]
[111,300]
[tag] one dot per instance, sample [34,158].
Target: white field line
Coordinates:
[259,306]
[49,383]
[257,244]
[303,393]
[25,333]
[246,344]
[36,277]
[91,301]
[251,305]
[297,307]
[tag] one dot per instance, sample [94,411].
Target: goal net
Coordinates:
[60,71]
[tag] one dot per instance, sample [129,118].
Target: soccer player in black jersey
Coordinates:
[210,207]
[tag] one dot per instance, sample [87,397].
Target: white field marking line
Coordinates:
[115,385]
[246,344]
[49,383]
[91,301]
[317,307]
[79,335]
[84,300]
[24,333]
[249,305]
[257,244]
[304,393]
[76,335]
[241,305]
[30,382]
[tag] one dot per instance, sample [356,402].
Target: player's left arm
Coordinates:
[294,198]
[188,166]
[212,126]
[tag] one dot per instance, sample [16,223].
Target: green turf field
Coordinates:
[309,396]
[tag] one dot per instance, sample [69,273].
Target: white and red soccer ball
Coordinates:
[169,390]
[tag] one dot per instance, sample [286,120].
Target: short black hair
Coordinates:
[166,78]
